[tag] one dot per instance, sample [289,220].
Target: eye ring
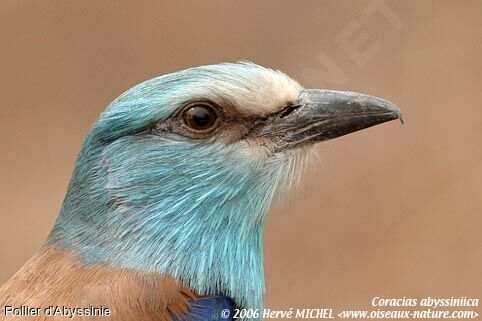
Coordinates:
[200,117]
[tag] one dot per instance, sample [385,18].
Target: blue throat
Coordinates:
[132,206]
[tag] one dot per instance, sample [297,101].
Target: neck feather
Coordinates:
[203,227]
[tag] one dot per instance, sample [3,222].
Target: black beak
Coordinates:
[320,115]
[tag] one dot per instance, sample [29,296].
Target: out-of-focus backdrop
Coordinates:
[391,211]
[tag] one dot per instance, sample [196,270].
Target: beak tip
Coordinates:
[398,113]
[392,108]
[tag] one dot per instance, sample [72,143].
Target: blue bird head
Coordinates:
[177,175]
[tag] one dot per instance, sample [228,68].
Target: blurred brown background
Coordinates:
[391,211]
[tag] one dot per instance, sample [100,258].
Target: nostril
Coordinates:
[288,110]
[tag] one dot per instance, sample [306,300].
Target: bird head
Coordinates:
[177,175]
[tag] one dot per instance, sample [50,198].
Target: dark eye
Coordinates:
[200,117]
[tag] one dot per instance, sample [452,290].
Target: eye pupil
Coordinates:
[200,117]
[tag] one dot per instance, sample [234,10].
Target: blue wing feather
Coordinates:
[210,308]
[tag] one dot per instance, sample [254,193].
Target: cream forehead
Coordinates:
[258,94]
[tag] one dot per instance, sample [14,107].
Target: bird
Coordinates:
[163,217]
